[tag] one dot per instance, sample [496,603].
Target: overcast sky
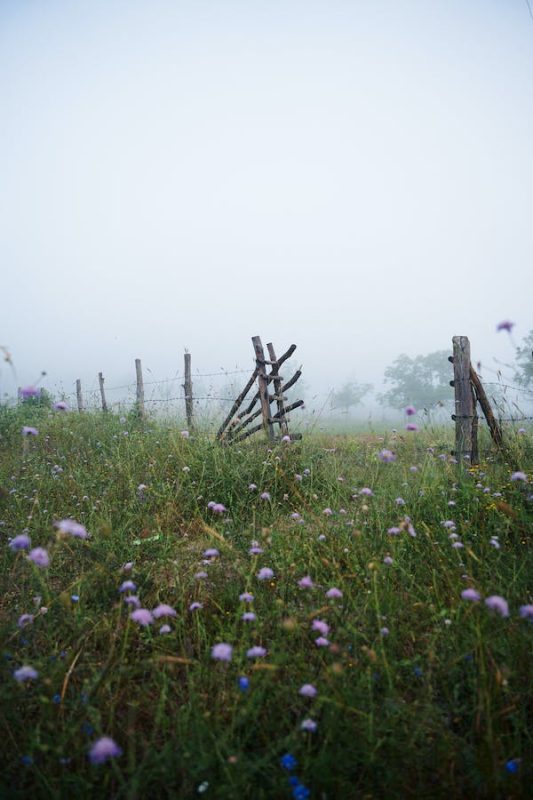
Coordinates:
[355,177]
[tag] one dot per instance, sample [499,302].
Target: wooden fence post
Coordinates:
[140,387]
[464,399]
[78,395]
[102,393]
[278,390]
[187,388]
[263,387]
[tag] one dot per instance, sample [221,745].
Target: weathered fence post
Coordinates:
[78,395]
[102,393]
[262,380]
[140,387]
[494,427]
[278,390]
[187,388]
[464,400]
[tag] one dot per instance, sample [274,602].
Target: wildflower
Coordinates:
[164,629]
[39,556]
[222,652]
[298,477]
[320,626]
[301,792]
[201,575]
[184,434]
[142,616]
[248,616]
[321,641]
[306,582]
[309,725]
[521,431]
[104,749]
[519,476]
[256,652]
[72,527]
[494,542]
[411,426]
[308,690]
[211,552]
[265,496]
[448,523]
[457,545]
[471,594]
[526,612]
[132,600]
[25,619]
[75,598]
[203,787]
[255,550]
[24,674]
[244,683]
[218,508]
[513,765]
[252,487]
[394,531]
[127,586]
[366,492]
[410,411]
[322,537]
[60,406]
[246,597]
[413,468]
[20,542]
[327,512]
[265,574]
[498,604]
[400,501]
[163,610]
[506,325]
[127,567]
[195,606]
[388,561]
[333,593]
[288,762]
[29,393]
[26,760]
[29,431]
[384,631]
[386,456]
[285,438]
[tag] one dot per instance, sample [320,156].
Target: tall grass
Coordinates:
[420,693]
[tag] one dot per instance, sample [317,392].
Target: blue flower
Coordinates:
[301,792]
[244,683]
[513,765]
[288,762]
[87,728]
[294,781]
[56,699]
[27,761]
[418,671]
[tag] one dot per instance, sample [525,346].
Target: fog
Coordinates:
[354,177]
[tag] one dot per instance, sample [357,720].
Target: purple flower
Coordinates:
[394,531]
[252,487]
[184,434]
[39,556]
[164,629]
[25,619]
[384,631]
[526,612]
[471,594]
[28,431]
[265,574]
[400,501]
[20,542]
[307,690]
[410,411]
[320,626]
[195,606]
[333,593]
[72,527]
[458,545]
[298,477]
[132,600]
[321,641]
[265,496]
[142,616]
[211,552]
[222,652]
[411,426]
[29,392]
[246,597]
[387,456]
[308,725]
[366,492]
[104,749]
[506,325]
[519,476]
[127,586]
[327,512]
[255,550]
[388,561]
[60,406]
[256,652]
[163,610]
[218,508]
[127,567]
[248,616]
[306,582]
[498,604]
[24,674]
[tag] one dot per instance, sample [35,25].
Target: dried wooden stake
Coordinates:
[238,402]
[140,388]
[102,393]
[262,380]
[495,430]
[278,390]
[187,388]
[464,403]
[79,397]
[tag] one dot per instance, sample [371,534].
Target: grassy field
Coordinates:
[393,685]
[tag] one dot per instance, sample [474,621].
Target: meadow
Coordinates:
[346,616]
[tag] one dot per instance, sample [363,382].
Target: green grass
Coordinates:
[436,708]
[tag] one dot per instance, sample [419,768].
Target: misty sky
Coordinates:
[355,177]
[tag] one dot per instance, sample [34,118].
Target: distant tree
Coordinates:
[423,381]
[524,362]
[349,395]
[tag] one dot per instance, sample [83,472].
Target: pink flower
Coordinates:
[333,593]
[498,604]
[142,616]
[104,749]
[222,652]
[308,690]
[39,556]
[306,582]
[163,610]
[410,411]
[256,652]
[309,725]
[411,426]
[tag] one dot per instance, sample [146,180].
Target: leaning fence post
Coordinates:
[262,380]
[464,399]
[187,388]
[78,395]
[102,393]
[140,387]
